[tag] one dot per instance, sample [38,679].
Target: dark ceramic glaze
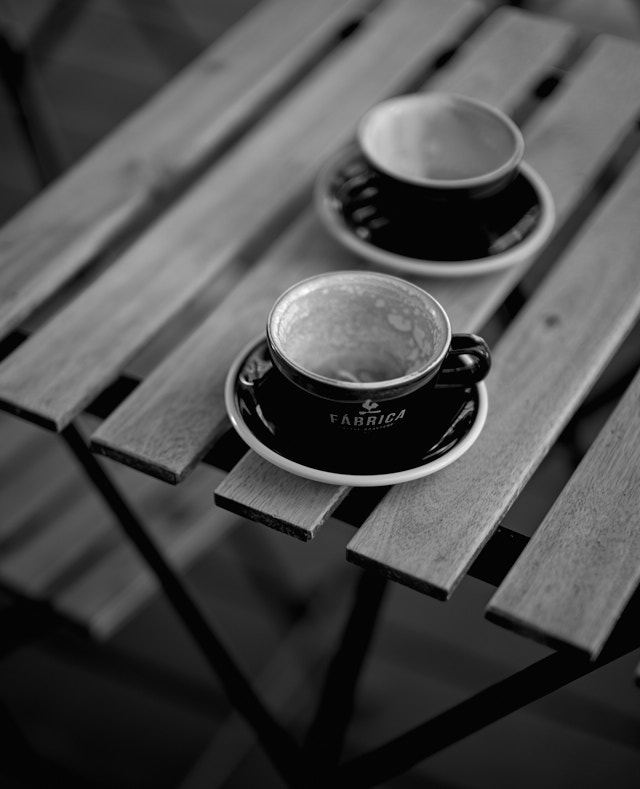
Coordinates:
[263,396]
[432,230]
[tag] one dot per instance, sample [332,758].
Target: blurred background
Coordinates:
[141,710]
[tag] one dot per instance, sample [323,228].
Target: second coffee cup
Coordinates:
[440,146]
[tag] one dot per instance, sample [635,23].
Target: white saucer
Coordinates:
[335,172]
[241,425]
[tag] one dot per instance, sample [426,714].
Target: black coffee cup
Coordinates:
[441,147]
[353,359]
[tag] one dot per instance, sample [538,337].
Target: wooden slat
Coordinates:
[578,572]
[566,149]
[58,371]
[165,429]
[501,54]
[135,168]
[299,517]
[527,46]
[427,533]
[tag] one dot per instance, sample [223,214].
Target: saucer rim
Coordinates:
[341,478]
[341,231]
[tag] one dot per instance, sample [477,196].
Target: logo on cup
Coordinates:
[369,407]
[369,417]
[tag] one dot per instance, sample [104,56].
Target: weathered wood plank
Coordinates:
[165,427]
[562,148]
[136,167]
[513,49]
[580,569]
[55,373]
[427,533]
[527,46]
[300,516]
[190,425]
[568,142]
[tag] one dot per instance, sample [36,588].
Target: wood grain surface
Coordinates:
[427,533]
[578,572]
[506,56]
[568,142]
[137,167]
[55,373]
[165,427]
[299,517]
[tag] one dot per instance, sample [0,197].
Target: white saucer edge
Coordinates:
[335,478]
[511,257]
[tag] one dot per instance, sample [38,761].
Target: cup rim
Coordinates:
[389,386]
[443,184]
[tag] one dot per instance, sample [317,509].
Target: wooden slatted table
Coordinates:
[188,222]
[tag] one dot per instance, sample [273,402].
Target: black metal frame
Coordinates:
[316,761]
[276,741]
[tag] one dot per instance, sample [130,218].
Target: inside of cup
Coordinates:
[440,138]
[359,328]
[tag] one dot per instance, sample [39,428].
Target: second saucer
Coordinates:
[451,240]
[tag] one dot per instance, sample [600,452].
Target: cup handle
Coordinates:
[461,372]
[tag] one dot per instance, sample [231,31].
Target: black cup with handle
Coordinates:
[353,361]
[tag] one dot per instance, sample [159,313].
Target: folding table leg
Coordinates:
[495,702]
[326,733]
[278,744]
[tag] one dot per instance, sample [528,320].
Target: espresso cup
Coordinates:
[354,359]
[440,146]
